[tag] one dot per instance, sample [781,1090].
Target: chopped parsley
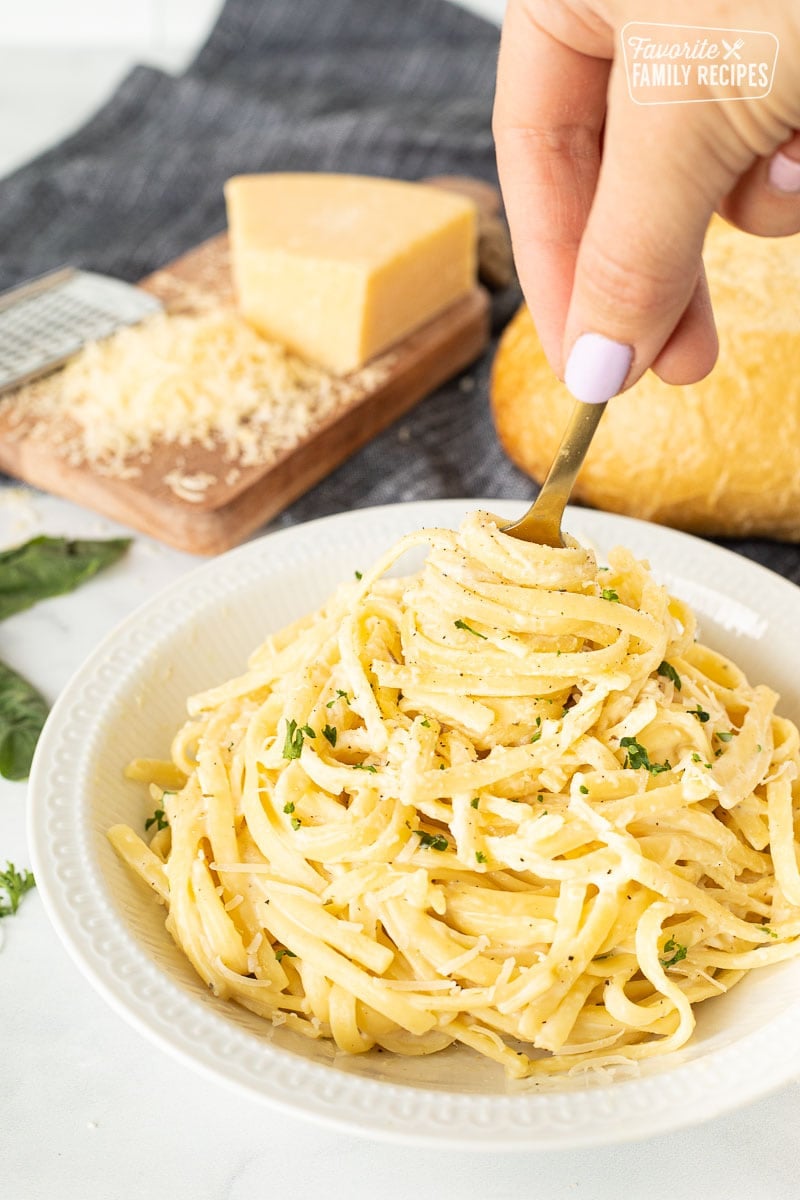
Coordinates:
[480,856]
[724,735]
[295,734]
[535,736]
[432,841]
[359,575]
[636,756]
[459,624]
[425,723]
[329,733]
[295,822]
[610,594]
[700,713]
[364,767]
[475,801]
[283,953]
[766,929]
[15,884]
[340,695]
[158,819]
[288,807]
[676,950]
[698,759]
[668,671]
[583,790]
[758,748]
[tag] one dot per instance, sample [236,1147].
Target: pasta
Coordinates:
[507,801]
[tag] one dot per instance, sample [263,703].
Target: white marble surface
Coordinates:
[92,1110]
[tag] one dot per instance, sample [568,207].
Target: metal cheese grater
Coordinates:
[44,322]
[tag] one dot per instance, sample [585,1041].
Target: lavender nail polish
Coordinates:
[784,173]
[597,367]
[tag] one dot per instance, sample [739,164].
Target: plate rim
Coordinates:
[397,1112]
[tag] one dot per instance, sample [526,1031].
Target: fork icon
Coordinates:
[733,50]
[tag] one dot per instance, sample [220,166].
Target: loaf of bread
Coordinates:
[718,457]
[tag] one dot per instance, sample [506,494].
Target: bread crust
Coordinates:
[719,457]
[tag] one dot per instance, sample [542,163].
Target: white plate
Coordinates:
[129,697]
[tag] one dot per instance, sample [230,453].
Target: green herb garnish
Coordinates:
[295,822]
[329,733]
[340,695]
[480,856]
[724,735]
[40,568]
[364,767]
[432,841]
[700,713]
[636,756]
[288,807]
[51,566]
[15,884]
[677,952]
[159,819]
[668,671]
[295,734]
[359,575]
[282,953]
[610,594]
[23,712]
[459,624]
[766,929]
[475,801]
[583,789]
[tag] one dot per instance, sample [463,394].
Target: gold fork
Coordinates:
[542,522]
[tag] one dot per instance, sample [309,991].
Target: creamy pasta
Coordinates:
[507,801]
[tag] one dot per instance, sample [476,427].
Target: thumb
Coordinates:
[640,255]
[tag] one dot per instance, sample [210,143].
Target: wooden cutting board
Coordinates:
[230,509]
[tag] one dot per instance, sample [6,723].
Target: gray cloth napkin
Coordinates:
[384,87]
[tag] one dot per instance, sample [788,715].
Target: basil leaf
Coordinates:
[50,566]
[23,712]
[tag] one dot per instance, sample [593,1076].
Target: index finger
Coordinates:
[548,118]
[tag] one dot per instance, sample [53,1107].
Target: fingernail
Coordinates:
[596,368]
[784,173]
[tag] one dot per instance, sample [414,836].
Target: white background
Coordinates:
[59,59]
[90,1110]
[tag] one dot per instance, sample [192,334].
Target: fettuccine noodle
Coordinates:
[507,802]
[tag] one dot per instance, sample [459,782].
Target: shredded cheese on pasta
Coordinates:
[507,802]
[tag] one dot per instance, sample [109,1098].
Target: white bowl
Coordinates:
[128,699]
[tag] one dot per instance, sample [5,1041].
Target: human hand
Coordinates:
[608,201]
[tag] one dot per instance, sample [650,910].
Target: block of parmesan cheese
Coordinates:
[339,267]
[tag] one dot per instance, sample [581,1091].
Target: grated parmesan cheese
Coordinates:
[203,380]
